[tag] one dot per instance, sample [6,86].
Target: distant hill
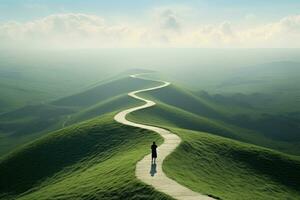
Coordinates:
[72,148]
[180,107]
[29,122]
[102,92]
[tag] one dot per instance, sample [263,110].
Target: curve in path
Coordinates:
[144,170]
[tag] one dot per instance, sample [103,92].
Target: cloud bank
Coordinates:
[167,28]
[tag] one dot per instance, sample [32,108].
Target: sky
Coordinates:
[144,23]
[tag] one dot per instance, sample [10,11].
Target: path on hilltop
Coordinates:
[144,169]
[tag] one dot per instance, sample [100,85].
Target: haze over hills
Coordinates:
[29,122]
[149,100]
[66,146]
[186,110]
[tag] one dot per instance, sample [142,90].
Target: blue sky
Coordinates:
[150,23]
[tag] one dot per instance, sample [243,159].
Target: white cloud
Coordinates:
[283,33]
[290,24]
[65,30]
[169,20]
[168,28]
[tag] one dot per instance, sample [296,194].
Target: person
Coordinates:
[154,153]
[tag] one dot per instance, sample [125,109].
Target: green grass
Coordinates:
[15,95]
[30,85]
[165,115]
[96,159]
[104,91]
[182,98]
[29,122]
[232,170]
[183,109]
[116,103]
[32,77]
[222,167]
[91,160]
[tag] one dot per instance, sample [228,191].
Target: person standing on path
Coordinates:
[154,152]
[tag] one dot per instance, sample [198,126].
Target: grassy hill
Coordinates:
[184,109]
[36,76]
[94,159]
[27,79]
[221,167]
[29,122]
[103,92]
[273,77]
[116,103]
[232,170]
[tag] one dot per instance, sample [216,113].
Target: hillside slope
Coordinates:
[91,160]
[74,162]
[183,109]
[24,124]
[104,91]
[232,170]
[226,168]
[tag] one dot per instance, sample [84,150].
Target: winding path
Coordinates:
[153,174]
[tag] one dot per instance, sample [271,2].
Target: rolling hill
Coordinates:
[78,152]
[210,164]
[29,122]
[232,170]
[184,109]
[90,160]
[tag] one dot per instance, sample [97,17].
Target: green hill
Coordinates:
[223,151]
[232,170]
[112,104]
[184,109]
[182,98]
[221,167]
[91,160]
[103,92]
[27,123]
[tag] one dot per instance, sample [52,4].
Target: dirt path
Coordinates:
[152,174]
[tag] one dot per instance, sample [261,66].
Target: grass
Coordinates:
[166,115]
[96,159]
[183,109]
[226,168]
[29,122]
[232,170]
[104,91]
[110,105]
[26,85]
[182,98]
[222,167]
[91,160]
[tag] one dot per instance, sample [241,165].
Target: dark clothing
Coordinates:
[154,153]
